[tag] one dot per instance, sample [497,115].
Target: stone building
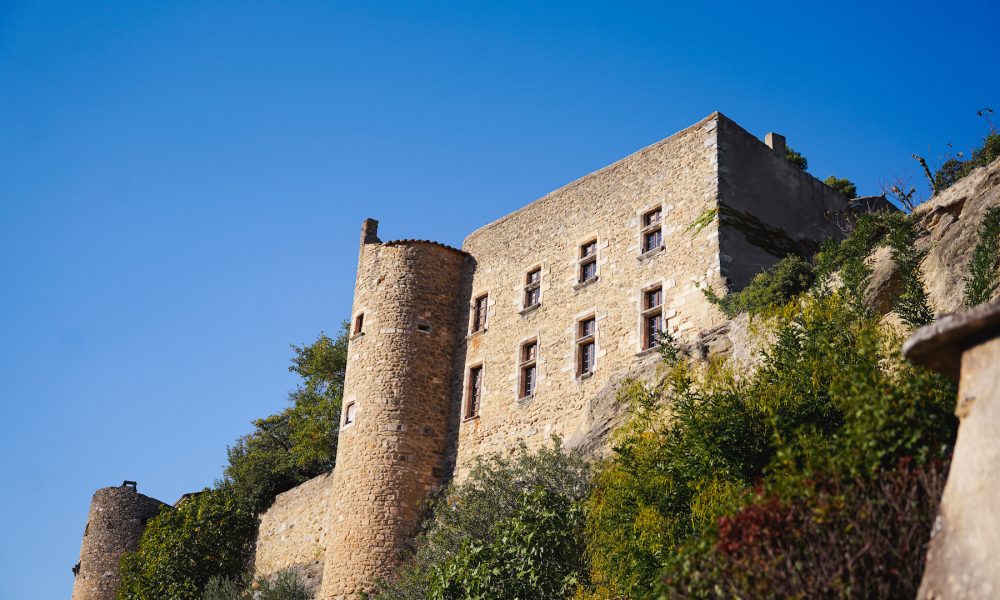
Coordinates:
[523,332]
[115,524]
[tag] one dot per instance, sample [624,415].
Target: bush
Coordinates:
[845,186]
[512,528]
[284,586]
[769,289]
[863,538]
[982,281]
[796,158]
[208,535]
[954,169]
[832,401]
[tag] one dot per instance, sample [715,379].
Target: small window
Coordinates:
[652,317]
[474,395]
[359,323]
[533,288]
[479,313]
[350,411]
[529,369]
[588,261]
[652,230]
[585,346]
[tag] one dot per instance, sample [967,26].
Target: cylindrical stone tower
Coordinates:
[115,524]
[397,389]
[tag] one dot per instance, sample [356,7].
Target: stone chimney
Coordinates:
[776,142]
[961,557]
[369,232]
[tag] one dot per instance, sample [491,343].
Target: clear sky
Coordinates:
[182,184]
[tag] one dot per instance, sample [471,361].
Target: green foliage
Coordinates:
[771,288]
[911,302]
[300,442]
[535,554]
[982,281]
[208,535]
[859,538]
[511,529]
[832,400]
[954,169]
[845,186]
[286,585]
[796,158]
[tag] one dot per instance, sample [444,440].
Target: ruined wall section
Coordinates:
[114,527]
[292,535]
[397,390]
[678,175]
[768,206]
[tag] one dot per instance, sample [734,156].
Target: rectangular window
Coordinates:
[652,230]
[652,317]
[479,313]
[588,261]
[586,348]
[533,288]
[529,369]
[474,395]
[359,322]
[349,413]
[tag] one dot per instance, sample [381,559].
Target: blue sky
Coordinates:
[182,184]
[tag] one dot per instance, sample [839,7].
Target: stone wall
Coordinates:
[396,392]
[114,527]
[678,175]
[292,535]
[768,206]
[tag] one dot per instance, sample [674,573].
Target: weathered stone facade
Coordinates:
[292,535]
[728,206]
[115,524]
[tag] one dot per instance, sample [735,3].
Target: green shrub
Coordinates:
[954,169]
[534,554]
[511,529]
[208,535]
[861,538]
[284,586]
[845,186]
[911,302]
[769,289]
[982,281]
[796,158]
[832,400]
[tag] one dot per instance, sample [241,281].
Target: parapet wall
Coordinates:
[115,524]
[293,531]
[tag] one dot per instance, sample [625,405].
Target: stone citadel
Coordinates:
[522,334]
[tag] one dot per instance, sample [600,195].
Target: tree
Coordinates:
[796,158]
[844,186]
[299,443]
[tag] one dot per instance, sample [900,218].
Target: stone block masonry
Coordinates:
[292,535]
